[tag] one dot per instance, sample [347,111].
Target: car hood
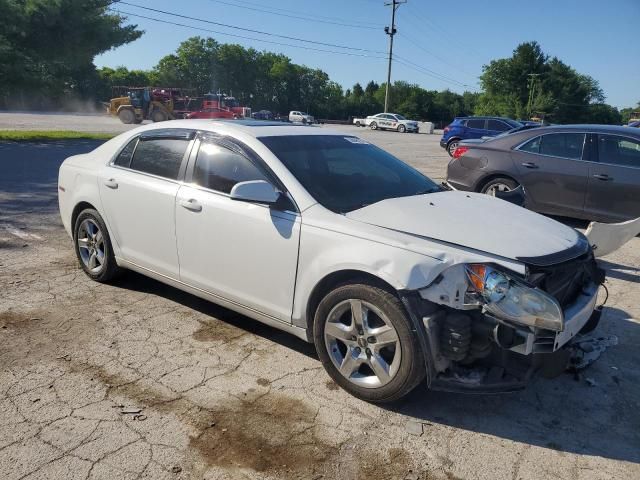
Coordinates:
[479,222]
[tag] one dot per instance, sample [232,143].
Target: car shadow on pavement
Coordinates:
[621,272]
[594,412]
[140,283]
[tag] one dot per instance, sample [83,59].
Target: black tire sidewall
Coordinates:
[412,367]
[111,268]
[130,117]
[456,141]
[402,129]
[373,126]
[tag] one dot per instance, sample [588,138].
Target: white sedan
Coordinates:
[389,121]
[336,241]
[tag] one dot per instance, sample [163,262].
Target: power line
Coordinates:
[407,37]
[373,24]
[193,27]
[164,12]
[408,63]
[299,17]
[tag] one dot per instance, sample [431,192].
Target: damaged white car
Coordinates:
[330,238]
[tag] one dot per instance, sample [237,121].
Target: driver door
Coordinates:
[244,252]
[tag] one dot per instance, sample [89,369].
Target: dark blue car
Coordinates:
[463,128]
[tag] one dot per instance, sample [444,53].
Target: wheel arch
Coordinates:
[80,206]
[493,175]
[340,277]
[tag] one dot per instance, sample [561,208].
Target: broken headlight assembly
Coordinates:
[508,298]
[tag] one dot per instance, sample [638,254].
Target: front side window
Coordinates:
[619,150]
[475,123]
[344,173]
[160,156]
[124,157]
[564,145]
[219,168]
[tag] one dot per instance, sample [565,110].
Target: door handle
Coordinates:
[602,176]
[191,204]
[111,183]
[529,165]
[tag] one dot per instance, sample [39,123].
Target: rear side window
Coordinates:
[565,145]
[160,156]
[498,126]
[124,157]
[219,168]
[475,123]
[619,150]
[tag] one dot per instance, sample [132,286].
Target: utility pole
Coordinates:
[533,77]
[391,32]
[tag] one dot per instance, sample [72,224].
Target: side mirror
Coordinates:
[255,191]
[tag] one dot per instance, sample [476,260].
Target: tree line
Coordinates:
[47,51]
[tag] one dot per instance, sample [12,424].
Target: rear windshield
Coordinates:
[344,173]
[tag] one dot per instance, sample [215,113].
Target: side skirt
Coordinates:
[231,305]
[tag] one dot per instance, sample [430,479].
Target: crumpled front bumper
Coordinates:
[506,370]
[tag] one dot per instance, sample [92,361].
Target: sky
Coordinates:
[438,44]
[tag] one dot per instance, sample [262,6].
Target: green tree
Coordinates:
[47,48]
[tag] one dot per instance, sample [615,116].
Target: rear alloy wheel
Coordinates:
[358,124]
[402,128]
[93,247]
[499,184]
[373,126]
[451,147]
[365,342]
[127,116]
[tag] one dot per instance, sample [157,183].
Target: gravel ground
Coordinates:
[139,380]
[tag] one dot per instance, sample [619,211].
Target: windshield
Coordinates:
[400,117]
[517,129]
[345,173]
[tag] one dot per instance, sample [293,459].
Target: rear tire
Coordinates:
[502,184]
[93,247]
[373,126]
[358,124]
[385,361]
[452,145]
[127,116]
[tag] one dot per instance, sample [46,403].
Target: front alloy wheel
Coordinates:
[362,343]
[366,343]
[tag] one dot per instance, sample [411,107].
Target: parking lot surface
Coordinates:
[139,380]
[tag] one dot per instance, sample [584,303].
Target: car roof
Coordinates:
[254,128]
[591,128]
[491,117]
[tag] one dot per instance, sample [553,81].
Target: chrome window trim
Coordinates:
[584,142]
[517,147]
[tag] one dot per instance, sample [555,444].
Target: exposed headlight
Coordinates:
[510,299]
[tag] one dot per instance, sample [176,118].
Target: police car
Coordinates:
[391,121]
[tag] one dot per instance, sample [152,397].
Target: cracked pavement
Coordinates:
[139,380]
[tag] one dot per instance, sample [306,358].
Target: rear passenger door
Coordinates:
[614,180]
[138,192]
[553,171]
[476,128]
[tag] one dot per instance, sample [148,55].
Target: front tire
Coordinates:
[402,129]
[127,116]
[373,126]
[365,342]
[93,247]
